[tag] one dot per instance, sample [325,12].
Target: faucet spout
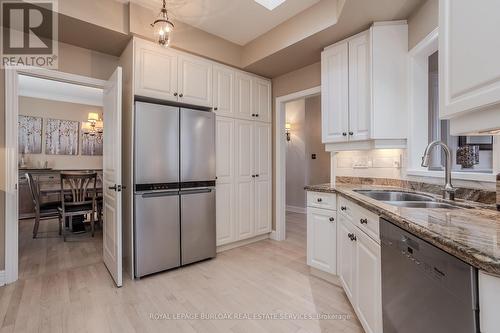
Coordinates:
[449,190]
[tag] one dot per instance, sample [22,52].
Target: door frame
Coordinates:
[11,152]
[280,158]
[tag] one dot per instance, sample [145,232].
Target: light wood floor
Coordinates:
[78,295]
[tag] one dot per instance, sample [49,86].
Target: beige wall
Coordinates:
[296,163]
[45,109]
[422,22]
[74,60]
[318,171]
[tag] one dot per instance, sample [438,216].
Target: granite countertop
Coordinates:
[471,234]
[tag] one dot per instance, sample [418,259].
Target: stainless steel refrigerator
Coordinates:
[174,187]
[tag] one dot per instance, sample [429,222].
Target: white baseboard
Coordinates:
[296,209]
[2,278]
[333,279]
[243,242]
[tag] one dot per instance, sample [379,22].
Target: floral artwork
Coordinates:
[61,137]
[92,144]
[30,135]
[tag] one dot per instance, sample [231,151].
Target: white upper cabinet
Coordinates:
[335,93]
[243,97]
[359,87]
[363,86]
[223,91]
[469,64]
[155,71]
[261,99]
[195,80]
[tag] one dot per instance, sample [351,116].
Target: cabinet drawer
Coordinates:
[361,217]
[322,200]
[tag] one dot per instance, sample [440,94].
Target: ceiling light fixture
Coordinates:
[270,4]
[163,27]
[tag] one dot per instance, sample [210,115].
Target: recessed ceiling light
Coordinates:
[270,4]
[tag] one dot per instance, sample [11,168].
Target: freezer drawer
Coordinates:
[156,144]
[157,232]
[198,225]
[197,145]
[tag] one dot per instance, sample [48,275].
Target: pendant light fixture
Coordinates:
[163,27]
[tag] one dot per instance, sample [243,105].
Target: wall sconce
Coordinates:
[288,127]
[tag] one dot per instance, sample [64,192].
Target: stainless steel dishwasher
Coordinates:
[425,289]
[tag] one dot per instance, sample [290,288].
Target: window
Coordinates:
[469,153]
[478,156]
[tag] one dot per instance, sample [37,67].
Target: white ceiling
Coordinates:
[30,86]
[239,21]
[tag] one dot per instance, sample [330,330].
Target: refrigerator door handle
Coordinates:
[159,194]
[196,191]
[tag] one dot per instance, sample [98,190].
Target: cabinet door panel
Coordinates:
[224,149]
[469,56]
[225,213]
[346,255]
[262,99]
[262,149]
[368,283]
[321,239]
[155,72]
[359,87]
[195,81]
[243,97]
[223,87]
[244,180]
[262,206]
[335,94]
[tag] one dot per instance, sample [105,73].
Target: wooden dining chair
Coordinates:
[82,187]
[43,210]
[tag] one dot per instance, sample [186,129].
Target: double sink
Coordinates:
[406,199]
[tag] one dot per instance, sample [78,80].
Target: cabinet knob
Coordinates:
[253,176]
[257,175]
[181,95]
[253,114]
[363,221]
[343,208]
[331,219]
[216,108]
[175,94]
[256,114]
[351,133]
[344,133]
[319,200]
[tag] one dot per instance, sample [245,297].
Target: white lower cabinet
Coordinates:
[368,299]
[346,251]
[489,294]
[321,231]
[359,268]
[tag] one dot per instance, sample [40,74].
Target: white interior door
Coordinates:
[112,175]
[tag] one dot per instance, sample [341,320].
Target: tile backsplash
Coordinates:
[382,163]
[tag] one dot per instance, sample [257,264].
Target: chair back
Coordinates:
[34,189]
[81,185]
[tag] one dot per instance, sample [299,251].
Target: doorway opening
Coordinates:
[60,166]
[300,159]
[60,130]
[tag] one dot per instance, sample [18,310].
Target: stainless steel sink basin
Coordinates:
[421,204]
[392,196]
